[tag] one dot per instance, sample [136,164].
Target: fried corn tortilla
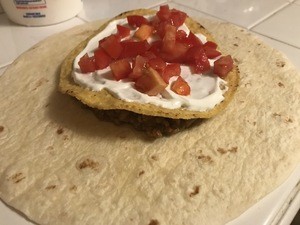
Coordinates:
[60,165]
[104,100]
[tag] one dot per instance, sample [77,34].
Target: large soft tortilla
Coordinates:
[60,165]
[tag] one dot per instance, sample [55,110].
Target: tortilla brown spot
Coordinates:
[236,45]
[280,64]
[141,173]
[195,191]
[1,129]
[276,114]
[88,163]
[288,120]
[73,188]
[280,84]
[16,178]
[154,157]
[40,82]
[221,150]
[154,222]
[66,137]
[233,149]
[50,187]
[205,158]
[60,130]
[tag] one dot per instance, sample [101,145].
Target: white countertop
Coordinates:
[274,21]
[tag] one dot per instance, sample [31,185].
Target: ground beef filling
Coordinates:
[153,126]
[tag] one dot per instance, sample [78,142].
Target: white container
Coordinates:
[40,12]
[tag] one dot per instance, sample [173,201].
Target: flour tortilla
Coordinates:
[60,165]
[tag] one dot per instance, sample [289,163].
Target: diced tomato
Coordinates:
[112,46]
[137,21]
[181,87]
[172,69]
[164,12]
[102,60]
[150,82]
[160,28]
[143,32]
[193,40]
[138,66]
[120,68]
[197,60]
[133,48]
[169,38]
[181,35]
[177,17]
[156,47]
[149,55]
[211,53]
[210,44]
[210,49]
[87,64]
[117,36]
[223,66]
[123,31]
[176,54]
[174,16]
[158,64]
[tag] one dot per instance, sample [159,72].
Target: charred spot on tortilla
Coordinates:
[60,130]
[50,187]
[16,178]
[195,191]
[154,222]
[156,120]
[1,129]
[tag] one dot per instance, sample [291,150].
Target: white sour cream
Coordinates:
[205,89]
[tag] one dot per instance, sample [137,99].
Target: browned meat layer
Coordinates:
[153,126]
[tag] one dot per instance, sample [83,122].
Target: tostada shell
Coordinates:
[104,100]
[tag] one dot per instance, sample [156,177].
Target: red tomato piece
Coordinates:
[211,53]
[164,13]
[223,66]
[156,47]
[112,46]
[181,87]
[160,28]
[138,66]
[149,55]
[172,69]
[120,69]
[136,21]
[210,44]
[87,64]
[158,64]
[193,40]
[169,38]
[102,60]
[123,31]
[150,82]
[197,59]
[181,35]
[143,32]
[176,54]
[133,48]
[177,17]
